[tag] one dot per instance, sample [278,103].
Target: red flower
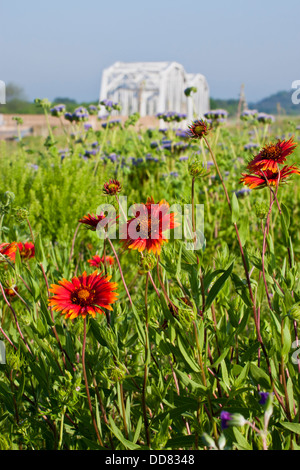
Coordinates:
[84,295]
[9,250]
[97,261]
[272,155]
[146,230]
[11,292]
[112,187]
[26,250]
[258,179]
[198,129]
[92,221]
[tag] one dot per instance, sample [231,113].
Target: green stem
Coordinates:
[102,145]
[283,375]
[200,362]
[146,423]
[87,385]
[61,429]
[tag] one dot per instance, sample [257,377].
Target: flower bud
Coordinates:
[147,263]
[231,419]
[197,169]
[261,210]
[294,312]
[198,129]
[21,214]
[112,187]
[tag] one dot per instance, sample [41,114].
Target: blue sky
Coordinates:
[60,47]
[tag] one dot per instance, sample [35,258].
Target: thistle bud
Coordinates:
[261,210]
[294,312]
[21,214]
[188,91]
[197,169]
[147,263]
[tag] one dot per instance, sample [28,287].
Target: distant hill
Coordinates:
[280,102]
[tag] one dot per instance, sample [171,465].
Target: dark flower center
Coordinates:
[271,152]
[83,296]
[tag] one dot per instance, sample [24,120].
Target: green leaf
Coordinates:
[116,431]
[244,230]
[285,222]
[218,285]
[241,378]
[241,441]
[294,427]
[188,381]
[18,262]
[286,214]
[39,251]
[178,268]
[260,376]
[287,340]
[187,355]
[138,429]
[220,358]
[225,374]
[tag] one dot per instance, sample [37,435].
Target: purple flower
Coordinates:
[225,418]
[110,105]
[263,397]
[180,146]
[217,114]
[249,114]
[93,109]
[242,192]
[89,153]
[137,161]
[112,123]
[69,117]
[80,114]
[181,133]
[265,118]
[107,103]
[88,126]
[171,116]
[113,157]
[154,144]
[150,157]
[250,146]
[58,110]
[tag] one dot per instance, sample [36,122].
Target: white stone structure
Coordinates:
[153,87]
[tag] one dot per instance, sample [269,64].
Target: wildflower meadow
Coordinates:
[149,283]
